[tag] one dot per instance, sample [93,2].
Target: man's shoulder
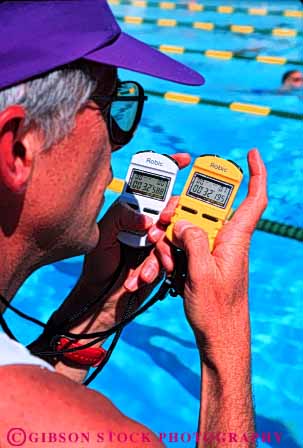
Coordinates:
[32,386]
[42,401]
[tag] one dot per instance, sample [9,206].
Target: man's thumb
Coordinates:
[194,241]
[122,218]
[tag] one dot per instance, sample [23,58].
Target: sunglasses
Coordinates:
[122,111]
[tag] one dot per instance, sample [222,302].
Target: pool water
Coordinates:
[153,373]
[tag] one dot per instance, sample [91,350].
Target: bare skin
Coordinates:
[49,226]
[293,81]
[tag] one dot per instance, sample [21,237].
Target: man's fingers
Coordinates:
[182,158]
[251,209]
[150,269]
[163,251]
[195,243]
[257,183]
[146,273]
[157,231]
[169,210]
[121,217]
[124,217]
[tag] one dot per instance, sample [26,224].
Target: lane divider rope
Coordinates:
[225,55]
[198,7]
[210,26]
[235,106]
[265,225]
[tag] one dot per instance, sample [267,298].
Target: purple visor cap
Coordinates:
[37,36]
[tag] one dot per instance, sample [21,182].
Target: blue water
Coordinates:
[153,373]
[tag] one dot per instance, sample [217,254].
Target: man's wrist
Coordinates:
[227,378]
[227,401]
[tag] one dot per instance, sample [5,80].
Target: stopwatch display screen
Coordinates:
[148,184]
[210,190]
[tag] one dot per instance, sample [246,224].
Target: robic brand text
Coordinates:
[154,162]
[218,167]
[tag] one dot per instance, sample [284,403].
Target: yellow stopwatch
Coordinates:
[208,195]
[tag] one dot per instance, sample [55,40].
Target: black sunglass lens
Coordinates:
[119,136]
[124,114]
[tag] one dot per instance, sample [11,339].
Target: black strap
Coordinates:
[99,336]
[178,277]
[20,313]
[128,317]
[173,284]
[113,344]
[5,326]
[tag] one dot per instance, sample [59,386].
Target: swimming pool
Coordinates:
[158,347]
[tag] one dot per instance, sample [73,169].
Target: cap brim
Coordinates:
[131,54]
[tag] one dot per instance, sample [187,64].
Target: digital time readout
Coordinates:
[210,190]
[147,184]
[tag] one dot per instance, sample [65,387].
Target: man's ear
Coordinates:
[16,159]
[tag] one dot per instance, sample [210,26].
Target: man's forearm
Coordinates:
[104,315]
[103,318]
[227,410]
[226,401]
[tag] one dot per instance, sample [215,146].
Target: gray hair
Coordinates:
[52,100]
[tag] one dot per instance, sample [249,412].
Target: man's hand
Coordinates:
[216,305]
[217,281]
[102,263]
[99,270]
[217,285]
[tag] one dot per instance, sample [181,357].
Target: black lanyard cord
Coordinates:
[117,329]
[98,336]
[101,335]
[53,332]
[6,328]
[51,327]
[20,313]
[113,344]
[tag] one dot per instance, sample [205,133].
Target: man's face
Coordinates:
[68,183]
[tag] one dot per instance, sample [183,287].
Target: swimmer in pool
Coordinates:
[58,80]
[291,84]
[292,80]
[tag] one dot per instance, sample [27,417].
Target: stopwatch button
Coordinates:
[134,206]
[151,211]
[171,158]
[209,155]
[148,150]
[234,163]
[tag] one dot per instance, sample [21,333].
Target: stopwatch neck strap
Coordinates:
[128,317]
[101,335]
[178,277]
[4,325]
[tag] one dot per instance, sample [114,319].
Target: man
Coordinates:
[292,80]
[58,81]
